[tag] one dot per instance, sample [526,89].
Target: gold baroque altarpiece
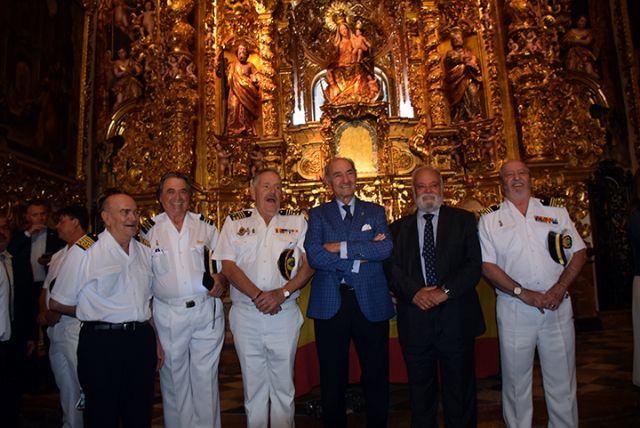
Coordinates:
[157,81]
[171,111]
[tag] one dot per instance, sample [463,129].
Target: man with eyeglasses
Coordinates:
[531,253]
[187,309]
[110,292]
[433,271]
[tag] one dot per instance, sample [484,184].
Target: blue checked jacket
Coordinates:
[326,225]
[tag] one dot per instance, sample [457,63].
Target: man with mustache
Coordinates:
[187,309]
[348,240]
[433,271]
[110,292]
[531,253]
[263,256]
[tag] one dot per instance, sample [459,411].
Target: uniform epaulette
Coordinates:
[146,225]
[552,202]
[240,214]
[206,220]
[141,240]
[289,211]
[490,209]
[87,241]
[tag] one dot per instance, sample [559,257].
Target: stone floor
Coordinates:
[606,395]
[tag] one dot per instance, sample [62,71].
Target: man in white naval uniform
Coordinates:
[8,380]
[532,253]
[64,330]
[189,318]
[111,292]
[263,256]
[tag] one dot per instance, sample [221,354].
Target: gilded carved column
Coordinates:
[181,84]
[437,105]
[267,80]
[530,75]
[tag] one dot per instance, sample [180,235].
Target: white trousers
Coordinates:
[522,328]
[635,311]
[64,364]
[266,346]
[192,340]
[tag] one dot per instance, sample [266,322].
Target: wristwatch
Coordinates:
[517,291]
[445,290]
[286,293]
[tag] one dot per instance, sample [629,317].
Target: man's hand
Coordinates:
[379,237]
[429,297]
[31,346]
[555,296]
[268,302]
[35,228]
[159,354]
[332,247]
[220,285]
[534,298]
[44,259]
[48,317]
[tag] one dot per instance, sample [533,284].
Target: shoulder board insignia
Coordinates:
[146,225]
[490,209]
[87,241]
[206,220]
[143,241]
[289,211]
[552,202]
[238,215]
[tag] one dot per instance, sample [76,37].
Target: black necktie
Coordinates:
[429,252]
[348,217]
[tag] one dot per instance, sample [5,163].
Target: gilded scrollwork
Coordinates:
[546,119]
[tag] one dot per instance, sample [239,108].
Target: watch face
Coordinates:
[517,291]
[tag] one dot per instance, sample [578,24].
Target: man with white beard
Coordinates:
[433,270]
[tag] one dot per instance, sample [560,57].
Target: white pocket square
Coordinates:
[365,227]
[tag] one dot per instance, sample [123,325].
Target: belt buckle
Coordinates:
[190,304]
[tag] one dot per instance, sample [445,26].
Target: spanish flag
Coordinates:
[307,370]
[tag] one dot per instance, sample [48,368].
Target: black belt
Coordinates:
[125,326]
[346,287]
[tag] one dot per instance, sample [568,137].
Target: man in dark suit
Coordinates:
[433,271]
[346,243]
[31,249]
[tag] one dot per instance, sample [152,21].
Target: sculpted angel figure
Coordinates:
[148,17]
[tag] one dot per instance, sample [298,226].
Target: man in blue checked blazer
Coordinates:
[346,243]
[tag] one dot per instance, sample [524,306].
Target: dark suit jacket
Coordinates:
[458,267]
[372,293]
[26,293]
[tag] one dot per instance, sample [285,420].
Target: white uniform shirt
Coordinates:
[6,293]
[109,285]
[256,248]
[38,248]
[54,267]
[178,257]
[518,245]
